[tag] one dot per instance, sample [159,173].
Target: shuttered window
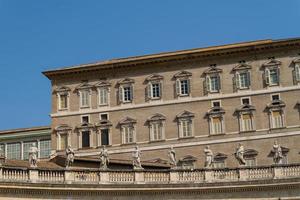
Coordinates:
[246,122]
[277,119]
[85,98]
[103,96]
[216,125]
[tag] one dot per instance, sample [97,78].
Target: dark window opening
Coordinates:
[85,139]
[104,137]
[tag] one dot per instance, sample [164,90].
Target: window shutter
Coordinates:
[105,95]
[177,87]
[237,80]
[120,94]
[149,91]
[297,72]
[278,75]
[160,90]
[219,82]
[207,83]
[189,86]
[248,79]
[131,92]
[267,76]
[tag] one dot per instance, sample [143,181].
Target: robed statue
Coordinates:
[209,157]
[70,155]
[172,157]
[239,154]
[136,158]
[104,159]
[33,155]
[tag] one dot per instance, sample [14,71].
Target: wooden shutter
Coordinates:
[248,78]
[120,94]
[189,86]
[267,76]
[149,91]
[297,72]
[207,83]
[131,92]
[237,80]
[177,87]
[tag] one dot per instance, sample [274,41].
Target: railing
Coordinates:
[82,176]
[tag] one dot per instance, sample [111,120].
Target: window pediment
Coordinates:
[157,117]
[62,89]
[62,128]
[250,153]
[216,111]
[220,157]
[284,150]
[127,120]
[158,160]
[85,126]
[182,74]
[185,114]
[84,85]
[103,84]
[154,77]
[212,70]
[276,104]
[242,66]
[125,81]
[103,122]
[296,61]
[272,62]
[188,158]
[245,108]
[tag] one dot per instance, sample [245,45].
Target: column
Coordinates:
[91,138]
[39,148]
[79,140]
[22,150]
[98,132]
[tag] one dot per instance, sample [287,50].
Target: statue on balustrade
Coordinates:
[209,157]
[33,155]
[104,159]
[70,155]
[172,156]
[136,156]
[239,154]
[277,153]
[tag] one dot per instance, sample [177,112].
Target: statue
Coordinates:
[69,156]
[172,156]
[104,160]
[208,157]
[239,154]
[33,151]
[277,153]
[136,155]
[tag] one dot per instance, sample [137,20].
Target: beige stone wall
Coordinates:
[199,107]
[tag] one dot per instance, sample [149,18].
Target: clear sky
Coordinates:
[40,35]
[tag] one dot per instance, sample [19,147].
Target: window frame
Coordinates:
[89,100]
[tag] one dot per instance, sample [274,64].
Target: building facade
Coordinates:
[218,96]
[15,144]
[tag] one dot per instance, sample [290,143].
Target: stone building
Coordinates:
[219,96]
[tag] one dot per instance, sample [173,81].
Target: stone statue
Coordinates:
[104,160]
[277,153]
[239,154]
[172,156]
[136,156]
[33,151]
[69,156]
[208,157]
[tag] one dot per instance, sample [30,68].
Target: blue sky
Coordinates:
[39,35]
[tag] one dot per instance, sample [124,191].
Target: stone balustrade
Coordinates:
[89,176]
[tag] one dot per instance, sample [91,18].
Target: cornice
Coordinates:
[176,56]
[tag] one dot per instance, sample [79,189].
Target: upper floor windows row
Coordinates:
[182,84]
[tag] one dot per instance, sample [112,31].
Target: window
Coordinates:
[296,72]
[85,139]
[63,141]
[103,116]
[128,132]
[182,83]
[250,162]
[26,148]
[103,95]
[125,90]
[216,120]
[277,121]
[45,148]
[271,72]
[185,124]
[245,101]
[154,90]
[14,151]
[2,149]
[156,129]
[219,160]
[219,164]
[183,87]
[242,80]
[216,104]
[63,101]
[85,119]
[246,122]
[84,98]
[275,97]
[216,125]
[212,82]
[104,136]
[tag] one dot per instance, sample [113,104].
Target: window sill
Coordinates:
[103,105]
[86,148]
[128,144]
[100,147]
[63,109]
[279,128]
[187,137]
[154,141]
[250,131]
[218,134]
[84,107]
